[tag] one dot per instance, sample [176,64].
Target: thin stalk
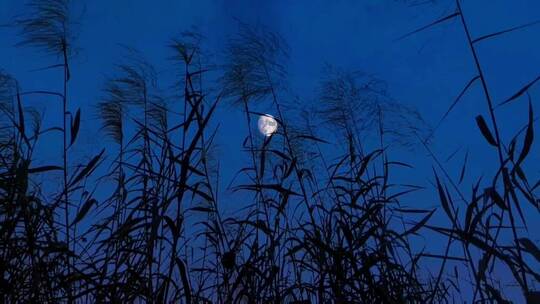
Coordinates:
[497,136]
[65,157]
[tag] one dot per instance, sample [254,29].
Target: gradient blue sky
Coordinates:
[427,70]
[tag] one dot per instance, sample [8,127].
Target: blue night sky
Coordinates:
[426,70]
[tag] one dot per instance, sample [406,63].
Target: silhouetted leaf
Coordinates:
[83,210]
[462,173]
[185,279]
[444,257]
[443,198]
[482,266]
[419,225]
[202,209]
[75,126]
[276,187]
[44,169]
[529,137]
[521,91]
[530,247]
[172,226]
[88,168]
[485,130]
[505,31]
[430,25]
[496,197]
[469,213]
[458,98]
[21,114]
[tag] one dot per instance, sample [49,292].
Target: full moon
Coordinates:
[267,124]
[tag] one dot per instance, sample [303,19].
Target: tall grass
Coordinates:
[491,227]
[320,225]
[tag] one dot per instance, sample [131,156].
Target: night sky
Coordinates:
[426,70]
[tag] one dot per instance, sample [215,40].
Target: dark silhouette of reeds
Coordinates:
[319,227]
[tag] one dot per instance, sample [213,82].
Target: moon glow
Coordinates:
[267,124]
